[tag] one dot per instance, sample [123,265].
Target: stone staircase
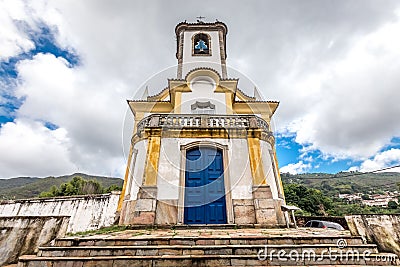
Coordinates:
[211,247]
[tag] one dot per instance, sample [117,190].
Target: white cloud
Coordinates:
[28,147]
[91,110]
[349,107]
[382,160]
[89,100]
[12,40]
[325,67]
[295,168]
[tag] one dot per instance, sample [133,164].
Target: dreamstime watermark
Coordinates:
[342,254]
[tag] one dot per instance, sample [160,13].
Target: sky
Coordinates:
[68,66]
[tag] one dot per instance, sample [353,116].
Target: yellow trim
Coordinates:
[256,166]
[127,170]
[160,96]
[244,97]
[175,91]
[152,158]
[202,72]
[150,107]
[137,118]
[229,86]
[266,117]
[178,102]
[205,133]
[178,85]
[228,102]
[266,109]
[279,175]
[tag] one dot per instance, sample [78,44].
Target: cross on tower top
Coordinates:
[200,18]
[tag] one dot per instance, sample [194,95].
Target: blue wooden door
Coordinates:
[204,187]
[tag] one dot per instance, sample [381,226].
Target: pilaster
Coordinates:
[256,166]
[126,178]
[152,158]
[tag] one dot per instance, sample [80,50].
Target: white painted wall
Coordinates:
[203,90]
[239,173]
[190,62]
[169,168]
[87,212]
[137,170]
[268,167]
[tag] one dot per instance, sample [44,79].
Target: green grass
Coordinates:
[139,233]
[104,230]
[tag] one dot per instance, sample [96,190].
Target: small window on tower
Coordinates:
[201,44]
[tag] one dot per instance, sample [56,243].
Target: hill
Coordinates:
[330,184]
[346,182]
[317,193]
[29,187]
[16,182]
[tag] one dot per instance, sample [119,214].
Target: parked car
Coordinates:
[324,224]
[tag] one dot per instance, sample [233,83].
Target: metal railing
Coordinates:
[179,121]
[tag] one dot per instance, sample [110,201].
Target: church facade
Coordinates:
[202,151]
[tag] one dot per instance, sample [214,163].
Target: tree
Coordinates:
[112,188]
[51,193]
[78,186]
[91,187]
[341,209]
[365,197]
[308,199]
[392,205]
[326,186]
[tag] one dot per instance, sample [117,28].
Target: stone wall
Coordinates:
[383,230]
[88,212]
[23,235]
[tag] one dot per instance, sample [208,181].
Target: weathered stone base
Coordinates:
[127,209]
[243,211]
[267,210]
[146,210]
[142,210]
[166,212]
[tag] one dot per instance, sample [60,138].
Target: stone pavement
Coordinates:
[223,233]
[211,246]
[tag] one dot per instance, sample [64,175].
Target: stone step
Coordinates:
[160,250]
[380,259]
[195,226]
[205,240]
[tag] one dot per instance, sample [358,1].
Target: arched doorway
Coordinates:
[205,201]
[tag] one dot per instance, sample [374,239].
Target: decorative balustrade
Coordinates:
[179,121]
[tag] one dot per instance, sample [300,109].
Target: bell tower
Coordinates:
[202,151]
[201,45]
